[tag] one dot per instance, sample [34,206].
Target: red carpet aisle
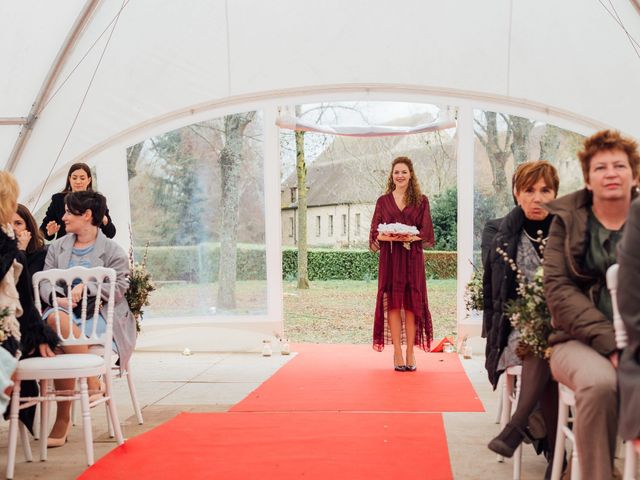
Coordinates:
[266,446]
[333,412]
[355,378]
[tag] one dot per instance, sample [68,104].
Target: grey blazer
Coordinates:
[629,303]
[107,253]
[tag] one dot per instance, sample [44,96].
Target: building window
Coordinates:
[292,221]
[318,229]
[344,225]
[331,225]
[357,224]
[294,194]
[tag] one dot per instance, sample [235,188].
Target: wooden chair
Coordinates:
[80,366]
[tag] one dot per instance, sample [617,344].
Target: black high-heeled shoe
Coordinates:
[507,440]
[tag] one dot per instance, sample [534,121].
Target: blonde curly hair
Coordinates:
[9,192]
[413,195]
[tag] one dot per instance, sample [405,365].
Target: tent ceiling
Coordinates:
[165,56]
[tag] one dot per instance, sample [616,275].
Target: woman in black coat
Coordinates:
[30,239]
[520,240]
[36,338]
[78,179]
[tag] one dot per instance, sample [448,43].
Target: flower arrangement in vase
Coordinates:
[473,297]
[140,285]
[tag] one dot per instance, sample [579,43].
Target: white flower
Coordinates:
[397,228]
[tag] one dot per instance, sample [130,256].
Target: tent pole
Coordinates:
[50,80]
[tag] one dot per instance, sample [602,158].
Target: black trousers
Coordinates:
[538,386]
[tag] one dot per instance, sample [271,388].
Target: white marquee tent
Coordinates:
[84,79]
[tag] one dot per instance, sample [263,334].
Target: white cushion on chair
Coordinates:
[38,366]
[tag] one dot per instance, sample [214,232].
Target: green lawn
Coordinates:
[334,311]
[341,311]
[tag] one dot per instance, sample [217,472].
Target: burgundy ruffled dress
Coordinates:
[402,283]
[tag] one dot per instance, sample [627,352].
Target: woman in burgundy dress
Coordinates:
[402,309]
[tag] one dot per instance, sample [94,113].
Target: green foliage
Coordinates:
[485,208]
[177,191]
[200,263]
[355,264]
[444,213]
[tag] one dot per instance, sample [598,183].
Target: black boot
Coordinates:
[507,440]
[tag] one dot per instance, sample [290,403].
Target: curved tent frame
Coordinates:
[127,71]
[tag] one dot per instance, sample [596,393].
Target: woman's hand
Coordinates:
[63,302]
[105,220]
[23,239]
[76,293]
[52,227]
[614,359]
[45,350]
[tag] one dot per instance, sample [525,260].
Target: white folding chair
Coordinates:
[500,399]
[630,454]
[510,395]
[119,372]
[101,280]
[566,402]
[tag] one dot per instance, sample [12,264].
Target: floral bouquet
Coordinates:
[140,286]
[9,326]
[398,232]
[473,294]
[530,315]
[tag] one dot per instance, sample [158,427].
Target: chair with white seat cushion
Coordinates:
[81,366]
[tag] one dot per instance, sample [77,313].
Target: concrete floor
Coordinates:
[169,383]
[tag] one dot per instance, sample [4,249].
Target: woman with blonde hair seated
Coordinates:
[22,332]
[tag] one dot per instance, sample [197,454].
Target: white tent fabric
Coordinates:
[83,79]
[139,63]
[293,123]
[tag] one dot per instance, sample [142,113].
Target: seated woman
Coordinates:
[522,235]
[22,329]
[629,301]
[30,239]
[78,180]
[86,246]
[586,229]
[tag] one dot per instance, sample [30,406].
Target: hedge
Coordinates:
[359,264]
[200,263]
